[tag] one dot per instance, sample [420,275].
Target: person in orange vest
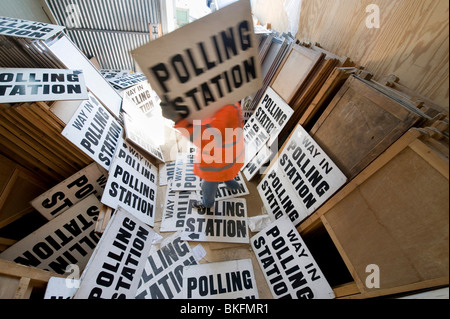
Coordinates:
[220,147]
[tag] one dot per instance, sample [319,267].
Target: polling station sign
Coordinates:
[288,266]
[162,277]
[28,29]
[29,85]
[201,69]
[223,192]
[254,166]
[279,197]
[116,265]
[311,173]
[225,222]
[272,113]
[68,239]
[140,97]
[234,279]
[89,180]
[255,138]
[184,178]
[132,184]
[175,209]
[95,131]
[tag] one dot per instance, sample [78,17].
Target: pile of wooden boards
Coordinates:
[31,135]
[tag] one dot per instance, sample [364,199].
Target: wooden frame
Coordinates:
[403,227]
[359,124]
[18,281]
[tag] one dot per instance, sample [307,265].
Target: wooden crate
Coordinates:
[19,282]
[359,124]
[394,214]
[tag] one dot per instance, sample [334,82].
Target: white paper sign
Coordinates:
[223,192]
[290,270]
[89,180]
[95,131]
[185,179]
[162,277]
[141,97]
[29,85]
[206,64]
[166,172]
[67,239]
[132,184]
[226,221]
[28,29]
[272,113]
[222,280]
[175,209]
[279,198]
[255,138]
[311,173]
[254,166]
[116,265]
[128,80]
[61,288]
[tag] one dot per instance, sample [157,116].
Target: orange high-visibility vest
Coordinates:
[220,144]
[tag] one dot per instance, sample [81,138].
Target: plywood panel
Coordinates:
[412,41]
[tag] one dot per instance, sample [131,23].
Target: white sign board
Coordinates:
[128,80]
[61,288]
[132,184]
[223,192]
[232,279]
[311,173]
[162,277]
[255,138]
[95,131]
[184,178]
[30,85]
[272,113]
[89,180]
[116,265]
[175,210]
[226,222]
[67,239]
[206,64]
[140,97]
[254,166]
[28,29]
[279,198]
[166,172]
[290,270]
[139,133]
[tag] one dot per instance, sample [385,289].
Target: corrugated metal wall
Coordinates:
[107,29]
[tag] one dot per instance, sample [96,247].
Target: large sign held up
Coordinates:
[305,170]
[162,277]
[288,266]
[95,131]
[132,184]
[68,239]
[232,279]
[201,69]
[89,180]
[29,85]
[226,221]
[116,265]
[28,29]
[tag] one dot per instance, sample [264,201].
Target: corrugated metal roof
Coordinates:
[107,29]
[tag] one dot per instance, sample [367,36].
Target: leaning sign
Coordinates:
[302,170]
[200,68]
[29,85]
[68,239]
[132,184]
[89,180]
[288,266]
[116,265]
[95,131]
[28,29]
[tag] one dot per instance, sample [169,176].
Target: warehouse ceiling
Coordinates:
[107,29]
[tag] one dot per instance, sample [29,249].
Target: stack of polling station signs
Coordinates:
[262,129]
[301,179]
